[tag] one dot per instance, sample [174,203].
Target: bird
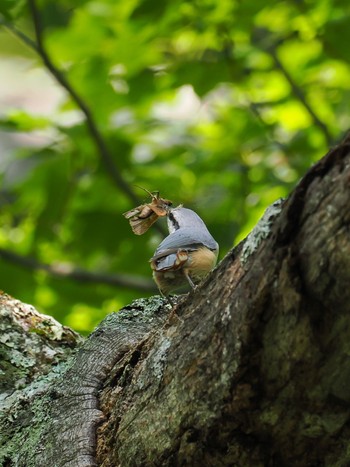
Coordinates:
[186,255]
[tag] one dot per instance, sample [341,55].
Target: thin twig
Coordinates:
[66,271]
[105,155]
[23,37]
[298,92]
[253,106]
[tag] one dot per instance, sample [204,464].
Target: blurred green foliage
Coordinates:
[221,105]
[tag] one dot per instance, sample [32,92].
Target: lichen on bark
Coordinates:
[250,369]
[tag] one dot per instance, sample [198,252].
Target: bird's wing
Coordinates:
[186,239]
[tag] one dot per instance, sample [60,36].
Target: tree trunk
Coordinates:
[250,369]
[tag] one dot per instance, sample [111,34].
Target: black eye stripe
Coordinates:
[174,221]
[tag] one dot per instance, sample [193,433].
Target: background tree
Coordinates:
[221,106]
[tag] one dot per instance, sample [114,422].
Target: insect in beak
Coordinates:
[142,217]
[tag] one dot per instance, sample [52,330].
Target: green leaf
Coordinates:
[12,9]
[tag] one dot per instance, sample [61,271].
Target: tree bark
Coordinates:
[250,369]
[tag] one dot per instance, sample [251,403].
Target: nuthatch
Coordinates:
[186,255]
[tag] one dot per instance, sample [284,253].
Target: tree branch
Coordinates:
[103,151]
[66,271]
[250,369]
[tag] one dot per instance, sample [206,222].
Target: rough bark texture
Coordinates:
[251,369]
[34,349]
